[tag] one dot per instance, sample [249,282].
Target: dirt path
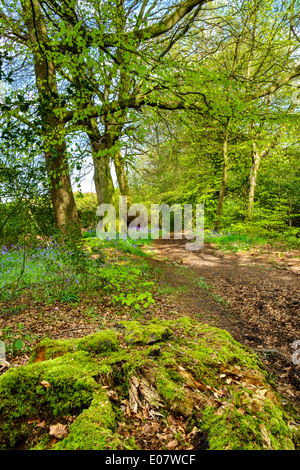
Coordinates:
[258,303]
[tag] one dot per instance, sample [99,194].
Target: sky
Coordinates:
[87,184]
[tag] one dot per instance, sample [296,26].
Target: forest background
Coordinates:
[184,102]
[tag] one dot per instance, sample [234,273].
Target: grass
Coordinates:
[44,270]
[233,241]
[130,246]
[112,271]
[52,273]
[203,285]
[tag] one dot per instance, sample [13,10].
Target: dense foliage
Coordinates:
[203,94]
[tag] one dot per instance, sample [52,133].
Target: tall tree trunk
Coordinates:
[102,176]
[122,177]
[224,181]
[256,159]
[100,144]
[63,201]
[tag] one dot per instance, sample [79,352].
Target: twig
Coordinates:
[74,329]
[273,351]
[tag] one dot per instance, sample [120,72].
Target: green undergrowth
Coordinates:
[175,367]
[247,239]
[52,273]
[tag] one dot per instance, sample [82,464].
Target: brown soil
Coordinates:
[256,297]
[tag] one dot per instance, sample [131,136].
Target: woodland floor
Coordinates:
[255,296]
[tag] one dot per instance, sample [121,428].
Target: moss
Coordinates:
[24,396]
[95,428]
[136,333]
[190,368]
[236,429]
[100,342]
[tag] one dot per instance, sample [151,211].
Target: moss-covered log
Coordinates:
[82,393]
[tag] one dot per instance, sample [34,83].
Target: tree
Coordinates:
[115,45]
[106,62]
[241,70]
[126,74]
[51,126]
[254,57]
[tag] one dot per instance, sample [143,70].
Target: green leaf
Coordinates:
[17,345]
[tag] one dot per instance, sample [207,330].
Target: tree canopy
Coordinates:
[116,77]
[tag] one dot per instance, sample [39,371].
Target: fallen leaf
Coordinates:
[172,444]
[58,430]
[193,433]
[147,428]
[40,425]
[45,383]
[171,419]
[113,395]
[31,421]
[161,437]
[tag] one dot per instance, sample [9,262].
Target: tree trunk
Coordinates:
[63,201]
[122,177]
[223,183]
[102,177]
[256,159]
[100,144]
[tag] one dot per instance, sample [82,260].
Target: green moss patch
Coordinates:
[100,342]
[121,389]
[136,333]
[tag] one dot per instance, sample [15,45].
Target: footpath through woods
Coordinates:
[256,297]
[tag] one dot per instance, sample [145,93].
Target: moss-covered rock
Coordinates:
[161,368]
